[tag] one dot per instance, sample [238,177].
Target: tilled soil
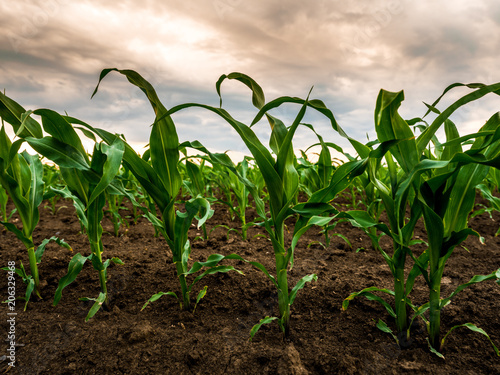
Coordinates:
[162,339]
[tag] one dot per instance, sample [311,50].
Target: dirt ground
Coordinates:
[214,340]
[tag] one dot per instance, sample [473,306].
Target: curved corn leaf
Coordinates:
[372,297]
[96,306]
[114,153]
[157,296]
[474,280]
[74,267]
[258,98]
[256,265]
[28,242]
[256,327]
[390,126]
[41,248]
[64,155]
[481,91]
[77,203]
[12,112]
[300,284]
[164,141]
[385,328]
[211,271]
[57,126]
[261,154]
[473,328]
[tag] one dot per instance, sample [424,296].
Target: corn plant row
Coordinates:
[406,167]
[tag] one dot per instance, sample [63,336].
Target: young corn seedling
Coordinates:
[21,176]
[428,196]
[162,181]
[114,201]
[281,180]
[229,182]
[447,199]
[86,181]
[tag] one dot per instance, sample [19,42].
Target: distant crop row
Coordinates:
[407,173]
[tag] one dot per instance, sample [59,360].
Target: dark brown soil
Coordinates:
[214,340]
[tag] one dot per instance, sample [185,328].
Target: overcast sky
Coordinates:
[52,51]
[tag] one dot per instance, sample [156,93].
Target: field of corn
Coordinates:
[181,261]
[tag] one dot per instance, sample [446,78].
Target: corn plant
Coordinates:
[440,190]
[162,181]
[448,199]
[231,185]
[85,181]
[21,176]
[281,180]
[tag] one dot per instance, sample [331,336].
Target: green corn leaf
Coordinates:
[487,194]
[212,270]
[30,286]
[473,328]
[433,350]
[424,138]
[256,327]
[5,145]
[196,178]
[310,209]
[453,85]
[342,177]
[28,242]
[258,98]
[94,215]
[211,261]
[225,161]
[362,219]
[75,266]
[114,154]
[390,126]
[64,155]
[77,203]
[372,297]
[144,172]
[12,113]
[96,306]
[14,150]
[201,294]
[157,296]
[57,126]
[300,284]
[385,328]
[419,268]
[85,132]
[35,195]
[24,118]
[261,154]
[474,280]
[256,265]
[435,229]
[164,141]
[41,248]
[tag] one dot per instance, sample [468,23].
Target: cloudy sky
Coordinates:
[52,51]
